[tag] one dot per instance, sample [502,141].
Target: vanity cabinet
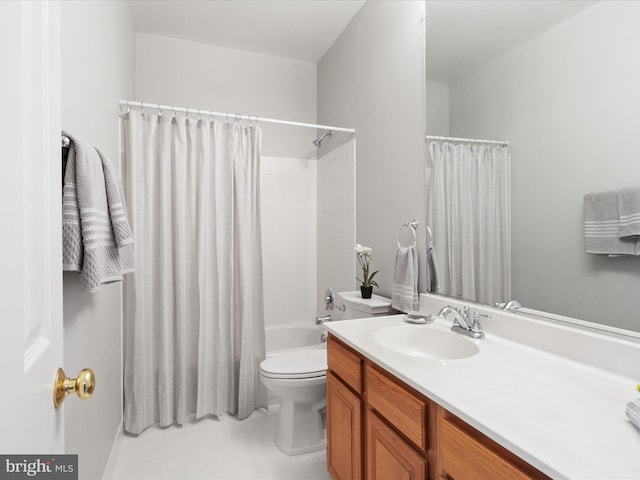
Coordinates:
[379,428]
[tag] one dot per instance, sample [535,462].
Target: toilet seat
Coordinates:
[307,363]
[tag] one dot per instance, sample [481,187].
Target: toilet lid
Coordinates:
[306,363]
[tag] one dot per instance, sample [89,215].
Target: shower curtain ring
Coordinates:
[173,111]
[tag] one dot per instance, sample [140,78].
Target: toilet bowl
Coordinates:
[299,380]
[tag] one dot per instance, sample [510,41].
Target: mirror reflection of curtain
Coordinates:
[468,209]
[193,311]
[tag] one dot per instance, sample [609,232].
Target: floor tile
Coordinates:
[214,449]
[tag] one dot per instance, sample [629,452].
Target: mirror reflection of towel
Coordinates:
[629,212]
[602,226]
[431,265]
[404,291]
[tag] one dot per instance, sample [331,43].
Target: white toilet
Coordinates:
[298,379]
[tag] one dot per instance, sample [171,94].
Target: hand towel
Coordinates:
[602,225]
[629,212]
[431,267]
[633,412]
[404,291]
[96,237]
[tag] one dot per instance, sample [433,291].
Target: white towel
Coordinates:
[602,225]
[404,291]
[629,212]
[633,412]
[96,237]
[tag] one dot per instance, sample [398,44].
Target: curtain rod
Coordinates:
[469,140]
[195,111]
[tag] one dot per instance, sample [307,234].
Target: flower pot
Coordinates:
[366,291]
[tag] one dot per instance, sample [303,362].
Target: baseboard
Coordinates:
[109,468]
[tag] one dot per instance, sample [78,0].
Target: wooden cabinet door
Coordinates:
[388,455]
[344,431]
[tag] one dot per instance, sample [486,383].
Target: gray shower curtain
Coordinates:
[193,310]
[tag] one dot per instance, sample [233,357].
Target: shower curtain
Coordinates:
[193,311]
[468,211]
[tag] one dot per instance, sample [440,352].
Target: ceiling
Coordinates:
[300,30]
[462,35]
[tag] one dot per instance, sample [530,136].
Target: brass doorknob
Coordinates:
[83,385]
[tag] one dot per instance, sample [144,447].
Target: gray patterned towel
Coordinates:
[96,237]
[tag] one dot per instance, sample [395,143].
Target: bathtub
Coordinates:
[279,338]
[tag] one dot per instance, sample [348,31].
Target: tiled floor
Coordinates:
[225,449]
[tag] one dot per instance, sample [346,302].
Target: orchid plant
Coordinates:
[364,256]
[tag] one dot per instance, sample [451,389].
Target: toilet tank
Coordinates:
[357,307]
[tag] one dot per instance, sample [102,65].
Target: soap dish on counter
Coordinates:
[417,317]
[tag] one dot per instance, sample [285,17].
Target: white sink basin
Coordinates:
[424,342]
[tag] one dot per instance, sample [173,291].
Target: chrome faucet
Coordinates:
[461,322]
[321,320]
[460,317]
[510,305]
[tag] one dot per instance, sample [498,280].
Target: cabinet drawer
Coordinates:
[402,409]
[464,457]
[345,363]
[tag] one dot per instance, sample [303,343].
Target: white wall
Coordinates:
[437,100]
[189,74]
[568,102]
[336,222]
[372,79]
[98,56]
[288,208]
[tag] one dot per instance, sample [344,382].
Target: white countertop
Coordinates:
[562,416]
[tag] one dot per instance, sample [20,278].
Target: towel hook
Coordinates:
[413,224]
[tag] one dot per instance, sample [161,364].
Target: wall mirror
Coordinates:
[559,81]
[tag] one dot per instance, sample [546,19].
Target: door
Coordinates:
[344,431]
[388,455]
[30,243]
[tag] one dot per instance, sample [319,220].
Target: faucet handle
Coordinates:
[476,326]
[465,312]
